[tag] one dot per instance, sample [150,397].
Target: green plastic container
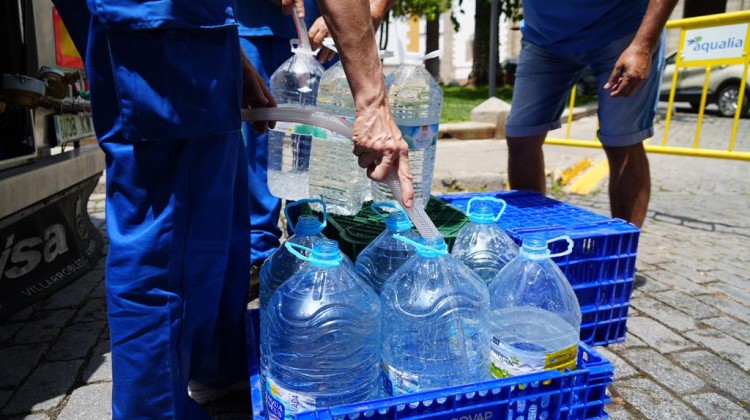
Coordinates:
[354,233]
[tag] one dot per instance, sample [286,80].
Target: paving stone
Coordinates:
[94,310]
[652,401]
[718,372]
[684,303]
[45,388]
[99,368]
[43,326]
[676,281]
[89,402]
[7,331]
[717,407]
[74,293]
[657,335]
[665,314]
[663,371]
[630,341]
[18,362]
[75,341]
[100,291]
[727,305]
[619,413]
[686,267]
[727,346]
[736,293]
[622,368]
[730,326]
[737,280]
[646,282]
[24,314]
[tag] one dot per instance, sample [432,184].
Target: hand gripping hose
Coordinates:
[313,116]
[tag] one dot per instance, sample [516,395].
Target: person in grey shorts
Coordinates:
[620,41]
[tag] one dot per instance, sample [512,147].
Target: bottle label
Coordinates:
[507,363]
[419,136]
[396,382]
[283,404]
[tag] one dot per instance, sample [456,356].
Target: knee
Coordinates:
[525,144]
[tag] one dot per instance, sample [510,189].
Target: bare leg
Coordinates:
[629,183]
[526,163]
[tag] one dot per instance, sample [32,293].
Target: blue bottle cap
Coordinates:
[325,253]
[482,213]
[308,225]
[398,222]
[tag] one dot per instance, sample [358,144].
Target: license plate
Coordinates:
[71,127]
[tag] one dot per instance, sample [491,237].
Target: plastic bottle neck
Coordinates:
[398,222]
[325,253]
[482,213]
[432,248]
[308,225]
[535,248]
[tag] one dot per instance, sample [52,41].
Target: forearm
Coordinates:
[653,22]
[350,25]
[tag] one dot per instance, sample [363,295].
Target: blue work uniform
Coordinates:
[264,35]
[166,90]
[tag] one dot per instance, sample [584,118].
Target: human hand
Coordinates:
[630,72]
[318,32]
[255,93]
[380,147]
[288,5]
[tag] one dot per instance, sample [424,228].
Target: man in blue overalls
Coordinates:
[166,83]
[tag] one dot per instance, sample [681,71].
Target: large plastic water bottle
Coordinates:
[536,320]
[482,245]
[282,264]
[416,101]
[319,338]
[294,83]
[336,176]
[386,254]
[435,318]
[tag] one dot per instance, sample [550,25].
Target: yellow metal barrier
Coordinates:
[693,30]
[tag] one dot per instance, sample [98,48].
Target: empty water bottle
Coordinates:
[435,318]
[386,254]
[536,320]
[336,176]
[319,336]
[482,245]
[282,264]
[294,83]
[416,101]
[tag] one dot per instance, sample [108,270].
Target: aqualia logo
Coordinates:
[699,45]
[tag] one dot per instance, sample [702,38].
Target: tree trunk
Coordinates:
[481,49]
[432,41]
[695,8]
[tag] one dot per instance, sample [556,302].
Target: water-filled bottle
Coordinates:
[319,336]
[386,254]
[281,265]
[481,244]
[294,83]
[416,101]
[435,318]
[536,320]
[336,176]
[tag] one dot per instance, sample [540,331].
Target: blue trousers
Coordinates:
[178,267]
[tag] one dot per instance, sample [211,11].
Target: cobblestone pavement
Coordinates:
[687,352]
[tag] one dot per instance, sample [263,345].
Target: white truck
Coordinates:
[49,160]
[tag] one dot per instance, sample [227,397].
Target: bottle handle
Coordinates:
[305,201]
[500,201]
[560,238]
[422,247]
[374,207]
[291,247]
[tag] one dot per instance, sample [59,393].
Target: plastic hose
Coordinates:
[313,116]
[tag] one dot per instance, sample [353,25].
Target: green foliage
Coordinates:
[459,101]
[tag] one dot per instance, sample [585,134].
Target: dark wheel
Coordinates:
[727,101]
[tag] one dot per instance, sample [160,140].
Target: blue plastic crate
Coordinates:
[580,394]
[601,267]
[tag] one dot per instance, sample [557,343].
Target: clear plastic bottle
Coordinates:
[336,176]
[294,83]
[482,245]
[320,335]
[435,318]
[282,265]
[416,102]
[386,254]
[536,319]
